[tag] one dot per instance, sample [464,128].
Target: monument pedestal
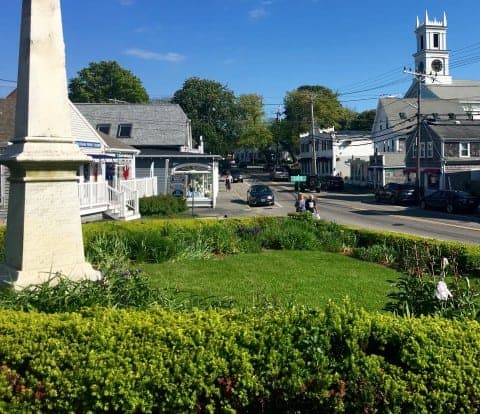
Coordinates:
[43,223]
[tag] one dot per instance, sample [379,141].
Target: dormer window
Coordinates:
[105,128]
[124,131]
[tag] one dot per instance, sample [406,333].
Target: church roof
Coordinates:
[463,90]
[401,112]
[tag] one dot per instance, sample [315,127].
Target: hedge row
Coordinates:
[342,360]
[162,205]
[158,240]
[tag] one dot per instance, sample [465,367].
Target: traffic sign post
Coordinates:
[298,179]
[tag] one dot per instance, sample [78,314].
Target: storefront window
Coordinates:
[195,182]
[433,182]
[199,185]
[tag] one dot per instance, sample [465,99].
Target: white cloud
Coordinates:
[258,13]
[149,55]
[261,11]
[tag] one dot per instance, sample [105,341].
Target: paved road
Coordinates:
[351,208]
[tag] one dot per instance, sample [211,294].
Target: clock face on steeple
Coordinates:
[421,67]
[437,65]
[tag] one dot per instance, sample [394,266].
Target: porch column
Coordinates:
[44,234]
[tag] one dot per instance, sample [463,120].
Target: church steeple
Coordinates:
[432,55]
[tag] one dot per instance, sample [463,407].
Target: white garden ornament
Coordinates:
[442,292]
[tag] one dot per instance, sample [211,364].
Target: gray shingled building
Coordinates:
[162,132]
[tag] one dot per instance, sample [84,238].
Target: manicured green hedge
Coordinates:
[158,240]
[162,205]
[342,360]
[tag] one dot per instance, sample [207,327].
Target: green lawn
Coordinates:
[276,277]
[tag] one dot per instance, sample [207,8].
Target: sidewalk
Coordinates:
[229,203]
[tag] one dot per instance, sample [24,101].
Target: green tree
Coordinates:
[212,110]
[363,121]
[327,111]
[254,131]
[106,81]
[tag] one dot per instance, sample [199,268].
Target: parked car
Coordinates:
[280,174]
[332,182]
[396,193]
[312,183]
[237,175]
[451,201]
[260,195]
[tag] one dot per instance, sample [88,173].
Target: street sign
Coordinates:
[298,178]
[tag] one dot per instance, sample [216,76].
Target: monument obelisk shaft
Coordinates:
[44,234]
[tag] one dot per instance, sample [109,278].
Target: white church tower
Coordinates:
[432,56]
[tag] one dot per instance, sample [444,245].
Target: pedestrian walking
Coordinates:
[300,203]
[228,182]
[311,205]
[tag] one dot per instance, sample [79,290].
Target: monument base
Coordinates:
[20,279]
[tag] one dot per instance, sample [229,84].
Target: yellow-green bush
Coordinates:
[300,360]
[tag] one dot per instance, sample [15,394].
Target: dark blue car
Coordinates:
[451,201]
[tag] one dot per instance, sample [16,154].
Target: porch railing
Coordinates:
[145,187]
[123,202]
[93,195]
[100,197]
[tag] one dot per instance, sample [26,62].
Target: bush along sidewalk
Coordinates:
[341,360]
[163,239]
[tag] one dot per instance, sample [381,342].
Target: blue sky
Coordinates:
[267,47]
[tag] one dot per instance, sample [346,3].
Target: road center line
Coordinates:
[421,220]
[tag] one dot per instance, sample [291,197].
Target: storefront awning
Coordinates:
[431,171]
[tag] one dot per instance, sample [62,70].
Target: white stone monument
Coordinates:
[44,234]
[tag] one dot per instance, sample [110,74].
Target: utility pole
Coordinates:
[420,76]
[314,145]
[276,150]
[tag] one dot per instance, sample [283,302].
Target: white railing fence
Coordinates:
[92,195]
[146,187]
[96,197]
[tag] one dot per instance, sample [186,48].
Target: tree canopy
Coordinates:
[254,131]
[363,121]
[327,112]
[212,110]
[106,81]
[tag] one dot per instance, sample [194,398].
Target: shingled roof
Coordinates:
[456,130]
[159,124]
[81,129]
[402,112]
[463,90]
